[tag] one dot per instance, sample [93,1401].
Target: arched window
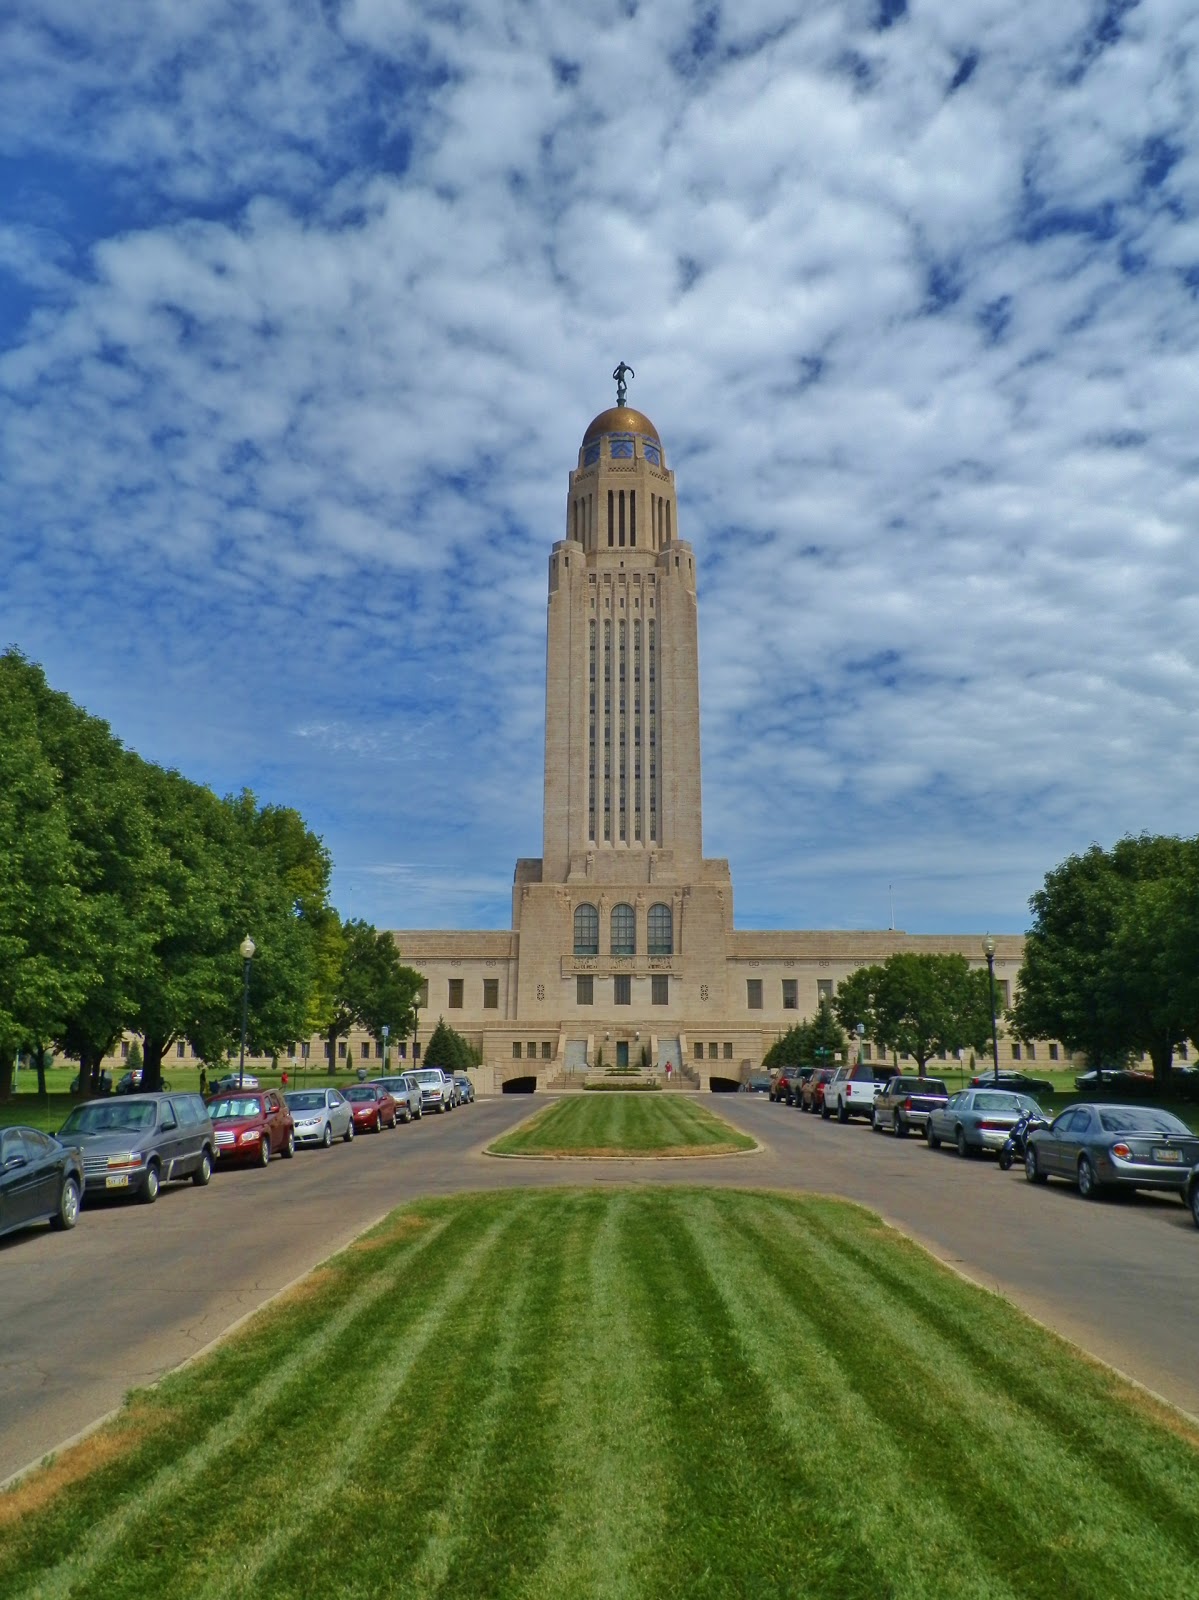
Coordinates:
[661,931]
[586,931]
[624,931]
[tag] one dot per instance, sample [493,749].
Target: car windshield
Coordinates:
[933,1086]
[110,1118]
[235,1106]
[431,1075]
[361,1091]
[392,1084]
[992,1100]
[1140,1119]
[307,1100]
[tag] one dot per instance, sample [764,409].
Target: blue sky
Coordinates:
[304,309]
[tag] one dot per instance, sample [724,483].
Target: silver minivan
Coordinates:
[135,1143]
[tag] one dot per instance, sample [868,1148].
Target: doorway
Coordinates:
[622,1052]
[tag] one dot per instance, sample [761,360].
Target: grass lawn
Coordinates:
[636,1393]
[623,1125]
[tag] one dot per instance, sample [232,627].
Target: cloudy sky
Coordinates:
[304,308]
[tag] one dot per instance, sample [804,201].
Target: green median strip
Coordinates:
[639,1392]
[623,1126]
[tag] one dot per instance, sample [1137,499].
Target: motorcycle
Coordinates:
[1015,1146]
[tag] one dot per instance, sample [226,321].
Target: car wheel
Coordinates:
[825,1113]
[203,1173]
[1088,1183]
[1193,1202]
[875,1124]
[67,1214]
[327,1136]
[963,1147]
[406,1118]
[934,1139]
[842,1111]
[349,1134]
[898,1127]
[150,1186]
[289,1149]
[264,1151]
[394,1118]
[1032,1169]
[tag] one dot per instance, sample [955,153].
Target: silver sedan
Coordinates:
[1102,1147]
[320,1116]
[978,1119]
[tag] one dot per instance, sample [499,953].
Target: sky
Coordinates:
[305,308]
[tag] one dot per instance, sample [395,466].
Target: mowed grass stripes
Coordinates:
[625,1393]
[623,1125]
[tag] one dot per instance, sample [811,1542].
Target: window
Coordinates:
[659,990]
[491,994]
[622,989]
[545,1050]
[753,993]
[699,1052]
[661,931]
[124,1049]
[531,1049]
[1053,1052]
[341,1049]
[422,999]
[624,931]
[181,1049]
[1015,1051]
[790,994]
[516,1049]
[455,1000]
[306,1050]
[1003,992]
[1032,1051]
[585,990]
[586,931]
[711,1052]
[728,1050]
[416,1049]
[824,989]
[865,1051]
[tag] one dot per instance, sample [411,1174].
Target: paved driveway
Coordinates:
[135,1290]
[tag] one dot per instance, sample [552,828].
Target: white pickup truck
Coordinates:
[851,1090]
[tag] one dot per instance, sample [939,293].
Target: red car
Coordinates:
[251,1125]
[371,1106]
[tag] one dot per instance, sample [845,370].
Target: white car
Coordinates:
[437,1092]
[320,1116]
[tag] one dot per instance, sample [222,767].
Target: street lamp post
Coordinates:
[247,948]
[386,1051]
[860,1030]
[989,952]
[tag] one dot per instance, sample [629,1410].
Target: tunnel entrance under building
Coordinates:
[724,1085]
[519,1086]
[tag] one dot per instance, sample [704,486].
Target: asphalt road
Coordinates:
[135,1290]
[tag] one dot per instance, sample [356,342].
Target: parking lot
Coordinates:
[133,1291]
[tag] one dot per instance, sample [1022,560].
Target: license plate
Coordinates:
[1168,1155]
[118,1181]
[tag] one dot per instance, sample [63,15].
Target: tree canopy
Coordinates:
[817,1042]
[918,1005]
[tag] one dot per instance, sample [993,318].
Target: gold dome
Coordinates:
[621,419]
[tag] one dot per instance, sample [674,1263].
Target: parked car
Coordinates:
[1122,1078]
[436,1090]
[811,1093]
[103,1084]
[978,1119]
[1019,1082]
[417,1100]
[371,1106]
[252,1126]
[137,1143]
[234,1080]
[1191,1193]
[787,1084]
[320,1116]
[1102,1147]
[406,1095]
[129,1082]
[759,1083]
[41,1180]
[851,1090]
[905,1103]
[466,1089]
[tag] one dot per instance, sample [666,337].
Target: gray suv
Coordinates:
[135,1144]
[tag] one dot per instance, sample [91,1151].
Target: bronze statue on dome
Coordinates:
[621,386]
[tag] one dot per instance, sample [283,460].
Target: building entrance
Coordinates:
[622,1052]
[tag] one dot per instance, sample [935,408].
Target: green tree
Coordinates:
[788,1050]
[824,1037]
[372,987]
[919,1005]
[448,1050]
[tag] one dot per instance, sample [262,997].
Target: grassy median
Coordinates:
[623,1125]
[641,1393]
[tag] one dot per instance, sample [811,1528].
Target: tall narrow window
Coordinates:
[586,931]
[622,517]
[622,989]
[659,990]
[624,931]
[611,517]
[668,533]
[585,990]
[753,993]
[491,994]
[632,516]
[455,996]
[661,930]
